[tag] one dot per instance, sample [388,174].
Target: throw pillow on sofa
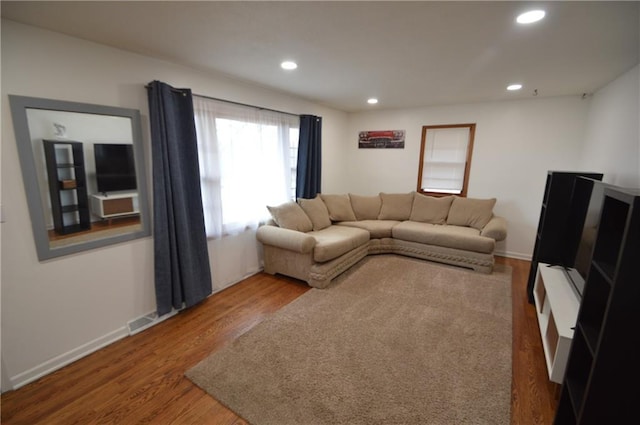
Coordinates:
[396,206]
[366,207]
[429,209]
[339,207]
[471,212]
[290,216]
[317,212]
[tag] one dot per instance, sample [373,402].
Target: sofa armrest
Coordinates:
[496,228]
[291,240]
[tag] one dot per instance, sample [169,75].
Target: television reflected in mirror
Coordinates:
[84,174]
[115,167]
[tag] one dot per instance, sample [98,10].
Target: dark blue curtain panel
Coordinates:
[181,259]
[309,175]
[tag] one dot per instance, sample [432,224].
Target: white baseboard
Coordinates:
[511,254]
[229,284]
[62,360]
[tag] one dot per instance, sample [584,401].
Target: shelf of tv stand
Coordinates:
[557,306]
[115,205]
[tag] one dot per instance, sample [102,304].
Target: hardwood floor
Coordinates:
[140,379]
[533,396]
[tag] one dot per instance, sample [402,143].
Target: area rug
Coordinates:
[393,340]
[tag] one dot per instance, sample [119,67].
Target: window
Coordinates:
[247,161]
[445,159]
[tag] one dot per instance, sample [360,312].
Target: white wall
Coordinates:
[612,141]
[57,310]
[516,143]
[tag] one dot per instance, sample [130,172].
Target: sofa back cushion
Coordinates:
[290,216]
[339,207]
[365,207]
[471,212]
[317,212]
[429,209]
[396,206]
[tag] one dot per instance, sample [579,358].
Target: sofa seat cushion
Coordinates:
[378,229]
[334,241]
[457,237]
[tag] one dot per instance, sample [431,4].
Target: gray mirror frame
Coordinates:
[19,106]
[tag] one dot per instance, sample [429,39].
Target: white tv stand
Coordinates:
[115,205]
[557,310]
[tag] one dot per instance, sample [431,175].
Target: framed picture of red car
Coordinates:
[381,139]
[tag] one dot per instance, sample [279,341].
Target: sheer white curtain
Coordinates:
[245,163]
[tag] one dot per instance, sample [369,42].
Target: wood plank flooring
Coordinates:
[140,379]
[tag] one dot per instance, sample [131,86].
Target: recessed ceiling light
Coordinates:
[513,87]
[530,16]
[288,65]
[372,101]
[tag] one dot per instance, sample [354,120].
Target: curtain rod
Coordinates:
[234,103]
[245,104]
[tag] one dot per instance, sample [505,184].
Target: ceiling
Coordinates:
[407,54]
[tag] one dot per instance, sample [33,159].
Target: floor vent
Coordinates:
[146,321]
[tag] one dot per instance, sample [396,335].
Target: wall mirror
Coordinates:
[84,174]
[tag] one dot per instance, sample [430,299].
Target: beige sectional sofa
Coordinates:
[317,239]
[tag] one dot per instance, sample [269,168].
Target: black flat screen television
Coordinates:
[586,208]
[115,167]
